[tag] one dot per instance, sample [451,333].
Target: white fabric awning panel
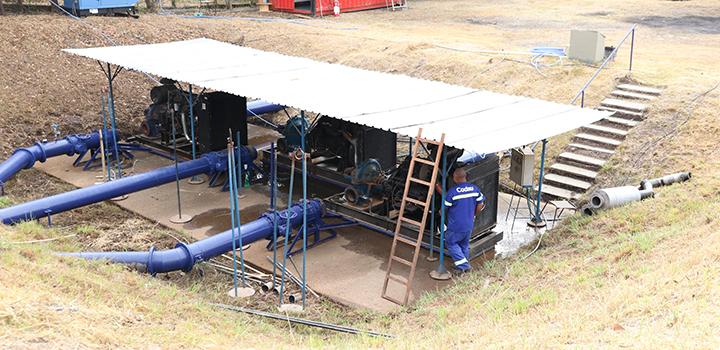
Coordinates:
[472,119]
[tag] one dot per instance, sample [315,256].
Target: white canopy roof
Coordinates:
[474,120]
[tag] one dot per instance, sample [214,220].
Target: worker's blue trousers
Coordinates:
[458,245]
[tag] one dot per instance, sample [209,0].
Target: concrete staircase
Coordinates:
[575,169]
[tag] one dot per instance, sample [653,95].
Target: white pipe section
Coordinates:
[614,197]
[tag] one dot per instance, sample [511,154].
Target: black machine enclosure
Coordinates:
[218,114]
[335,146]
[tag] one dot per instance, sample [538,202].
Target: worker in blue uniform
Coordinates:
[463,201]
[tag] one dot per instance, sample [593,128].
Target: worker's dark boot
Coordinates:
[459,273]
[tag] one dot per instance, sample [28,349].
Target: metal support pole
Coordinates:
[304,205]
[179,219]
[104,140]
[632,48]
[192,120]
[432,257]
[195,180]
[240,175]
[111,108]
[287,229]
[410,146]
[273,206]
[582,100]
[231,179]
[441,273]
[537,220]
[237,206]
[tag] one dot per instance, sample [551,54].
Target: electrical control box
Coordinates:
[587,46]
[522,164]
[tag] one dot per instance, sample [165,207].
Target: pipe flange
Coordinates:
[150,266]
[191,259]
[43,156]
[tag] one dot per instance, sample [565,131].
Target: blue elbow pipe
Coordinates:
[25,158]
[184,256]
[209,163]
[258,107]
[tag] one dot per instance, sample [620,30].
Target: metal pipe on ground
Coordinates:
[294,297]
[613,197]
[328,326]
[184,256]
[25,157]
[292,277]
[209,163]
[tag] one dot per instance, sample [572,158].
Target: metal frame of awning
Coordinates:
[436,107]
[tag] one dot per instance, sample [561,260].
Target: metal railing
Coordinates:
[611,56]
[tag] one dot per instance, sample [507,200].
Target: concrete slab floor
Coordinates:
[349,269]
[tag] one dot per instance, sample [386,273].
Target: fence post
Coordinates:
[632,48]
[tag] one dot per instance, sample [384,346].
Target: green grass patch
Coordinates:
[5,202]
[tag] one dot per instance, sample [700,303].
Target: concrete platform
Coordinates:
[349,269]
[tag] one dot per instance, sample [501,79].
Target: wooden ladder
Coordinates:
[419,143]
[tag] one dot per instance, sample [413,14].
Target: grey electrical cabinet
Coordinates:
[522,162]
[587,46]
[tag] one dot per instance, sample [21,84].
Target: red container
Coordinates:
[325,7]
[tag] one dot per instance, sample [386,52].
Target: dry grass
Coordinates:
[640,276]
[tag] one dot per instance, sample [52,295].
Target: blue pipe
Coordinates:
[184,256]
[25,158]
[213,162]
[259,107]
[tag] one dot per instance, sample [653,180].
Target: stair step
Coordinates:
[621,112]
[568,181]
[632,95]
[622,104]
[622,121]
[592,148]
[640,89]
[579,158]
[577,171]
[558,192]
[606,130]
[599,139]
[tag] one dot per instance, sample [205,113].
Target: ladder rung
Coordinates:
[425,161]
[433,142]
[396,301]
[411,221]
[422,182]
[402,261]
[398,279]
[415,201]
[406,240]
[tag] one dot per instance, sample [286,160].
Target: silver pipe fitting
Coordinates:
[607,198]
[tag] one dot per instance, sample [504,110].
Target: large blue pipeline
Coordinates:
[25,158]
[184,256]
[209,163]
[258,107]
